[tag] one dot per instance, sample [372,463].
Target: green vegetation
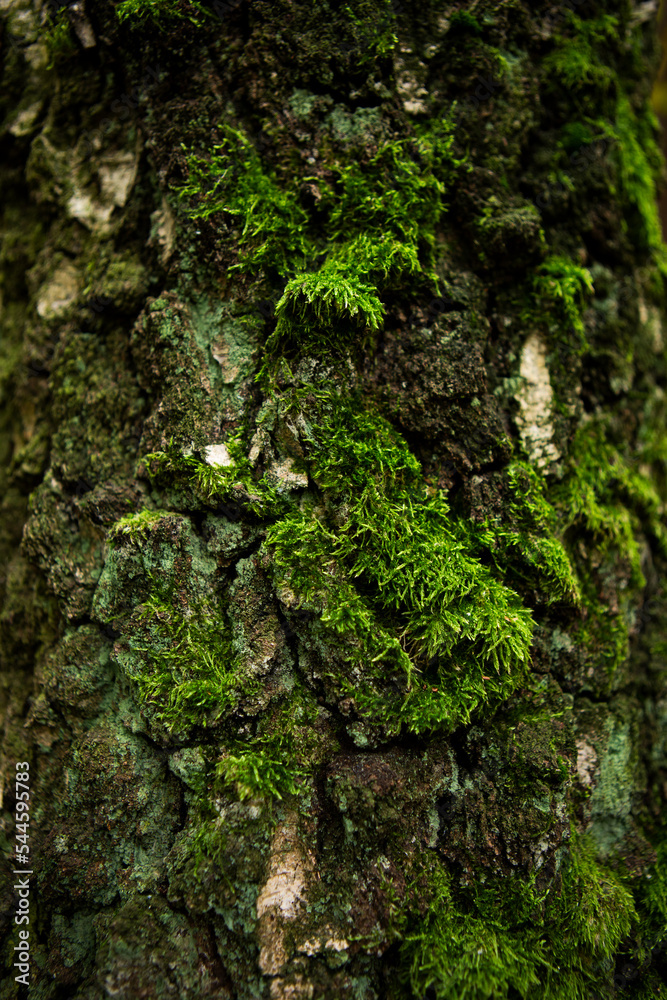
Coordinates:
[464,954]
[524,545]
[210,481]
[379,214]
[395,578]
[431,632]
[463,20]
[575,60]
[605,506]
[189,673]
[136,525]
[639,171]
[559,290]
[160,12]
[257,773]
[575,63]
[58,37]
[503,939]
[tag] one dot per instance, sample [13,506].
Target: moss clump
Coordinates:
[639,169]
[189,675]
[391,572]
[526,543]
[606,506]
[503,939]
[210,482]
[458,954]
[575,60]
[257,773]
[58,37]
[463,21]
[560,289]
[160,12]
[136,525]
[379,215]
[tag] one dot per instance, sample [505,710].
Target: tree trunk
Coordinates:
[333,422]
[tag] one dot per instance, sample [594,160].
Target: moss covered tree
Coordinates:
[333,425]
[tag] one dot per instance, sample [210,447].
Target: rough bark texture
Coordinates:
[334,464]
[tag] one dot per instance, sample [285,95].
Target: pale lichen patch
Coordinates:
[285,476]
[217,454]
[57,295]
[117,172]
[650,319]
[282,897]
[535,398]
[587,760]
[410,84]
[297,989]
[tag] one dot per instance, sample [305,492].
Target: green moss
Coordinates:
[189,675]
[514,232]
[560,289]
[639,168]
[136,525]
[257,773]
[458,954]
[160,12]
[211,482]
[395,578]
[575,60]
[464,21]
[58,37]
[526,543]
[374,223]
[503,939]
[606,505]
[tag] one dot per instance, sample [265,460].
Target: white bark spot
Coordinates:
[59,292]
[117,172]
[217,454]
[297,989]
[285,476]
[587,760]
[535,399]
[282,897]
[26,118]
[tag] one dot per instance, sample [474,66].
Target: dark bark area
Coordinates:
[332,525]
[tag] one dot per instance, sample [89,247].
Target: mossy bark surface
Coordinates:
[332,525]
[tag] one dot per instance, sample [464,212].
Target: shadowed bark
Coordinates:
[332,416]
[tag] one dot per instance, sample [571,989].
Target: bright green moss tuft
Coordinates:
[140,12]
[395,578]
[256,772]
[135,525]
[502,939]
[457,954]
[560,289]
[526,545]
[575,62]
[635,136]
[189,675]
[374,223]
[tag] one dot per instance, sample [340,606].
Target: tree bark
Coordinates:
[332,388]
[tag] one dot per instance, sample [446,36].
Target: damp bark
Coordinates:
[332,415]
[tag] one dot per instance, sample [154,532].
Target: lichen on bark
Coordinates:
[333,503]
